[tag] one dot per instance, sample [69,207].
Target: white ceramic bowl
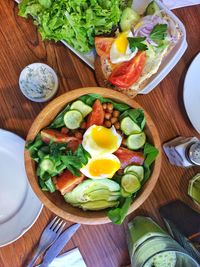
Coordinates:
[38,82]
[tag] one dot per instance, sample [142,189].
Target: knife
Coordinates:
[58,245]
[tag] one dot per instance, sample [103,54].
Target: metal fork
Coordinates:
[49,235]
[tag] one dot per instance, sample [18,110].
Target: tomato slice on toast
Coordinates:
[127,73]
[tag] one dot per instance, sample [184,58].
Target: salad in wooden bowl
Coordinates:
[92,155]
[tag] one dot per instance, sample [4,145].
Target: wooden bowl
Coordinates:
[55,201]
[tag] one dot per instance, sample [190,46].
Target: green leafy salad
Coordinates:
[96,153]
[74,21]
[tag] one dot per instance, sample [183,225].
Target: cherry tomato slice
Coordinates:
[97,115]
[103,45]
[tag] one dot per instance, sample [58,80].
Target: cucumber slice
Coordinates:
[124,193]
[136,141]
[73,119]
[152,8]
[128,126]
[82,107]
[129,17]
[130,183]
[139,170]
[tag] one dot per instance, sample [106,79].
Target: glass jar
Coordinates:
[149,246]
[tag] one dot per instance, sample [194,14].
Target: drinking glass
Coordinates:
[150,246]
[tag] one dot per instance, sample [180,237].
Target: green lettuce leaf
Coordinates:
[74,21]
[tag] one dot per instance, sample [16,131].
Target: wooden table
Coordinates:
[20,44]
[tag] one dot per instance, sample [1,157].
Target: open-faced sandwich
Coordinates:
[96,154]
[128,59]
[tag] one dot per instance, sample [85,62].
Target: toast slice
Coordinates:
[103,67]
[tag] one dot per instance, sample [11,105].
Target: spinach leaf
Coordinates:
[83,154]
[137,42]
[34,146]
[50,185]
[57,149]
[90,98]
[159,32]
[59,120]
[42,185]
[74,162]
[137,115]
[118,214]
[151,153]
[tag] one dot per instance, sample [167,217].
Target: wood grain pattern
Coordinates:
[55,201]
[103,245]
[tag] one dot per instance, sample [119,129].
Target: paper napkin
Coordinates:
[172,4]
[72,258]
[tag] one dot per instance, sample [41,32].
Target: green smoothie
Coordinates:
[150,246]
[164,259]
[142,228]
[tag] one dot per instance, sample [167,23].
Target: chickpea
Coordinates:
[113,120]
[116,113]
[104,106]
[117,125]
[64,130]
[78,135]
[110,107]
[83,125]
[107,116]
[107,124]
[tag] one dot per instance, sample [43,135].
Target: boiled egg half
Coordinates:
[102,166]
[99,140]
[120,50]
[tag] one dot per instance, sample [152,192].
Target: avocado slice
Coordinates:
[101,194]
[94,191]
[98,205]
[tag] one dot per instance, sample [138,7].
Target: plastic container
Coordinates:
[173,57]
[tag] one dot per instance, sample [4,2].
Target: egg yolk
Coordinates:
[103,166]
[121,42]
[104,137]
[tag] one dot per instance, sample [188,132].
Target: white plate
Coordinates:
[191,94]
[19,206]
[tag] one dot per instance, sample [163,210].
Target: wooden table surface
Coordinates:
[20,45]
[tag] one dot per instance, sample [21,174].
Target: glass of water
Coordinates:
[150,246]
